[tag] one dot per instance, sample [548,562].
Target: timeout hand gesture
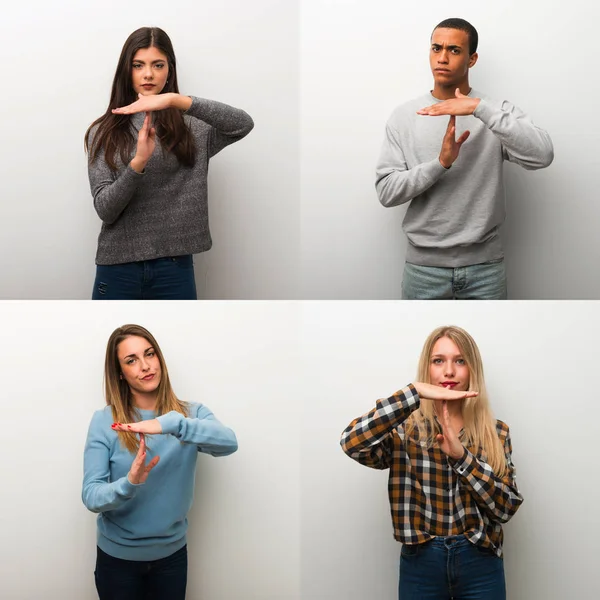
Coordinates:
[146,104]
[448,439]
[150,427]
[428,391]
[460,106]
[139,469]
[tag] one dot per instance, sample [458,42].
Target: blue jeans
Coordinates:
[170,278]
[450,568]
[118,579]
[486,281]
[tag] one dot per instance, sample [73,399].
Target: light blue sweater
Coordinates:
[148,521]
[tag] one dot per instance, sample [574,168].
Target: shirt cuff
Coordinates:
[463,464]
[170,422]
[485,111]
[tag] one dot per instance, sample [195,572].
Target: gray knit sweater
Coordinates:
[454,215]
[164,210]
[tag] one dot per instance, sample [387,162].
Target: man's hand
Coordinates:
[451,145]
[460,106]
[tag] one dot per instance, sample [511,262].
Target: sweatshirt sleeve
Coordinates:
[522,142]
[397,184]
[204,430]
[111,191]
[498,497]
[228,124]
[368,439]
[99,494]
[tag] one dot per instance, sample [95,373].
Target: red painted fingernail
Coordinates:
[129,426]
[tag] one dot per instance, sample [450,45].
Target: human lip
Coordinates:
[442,70]
[148,85]
[448,384]
[148,377]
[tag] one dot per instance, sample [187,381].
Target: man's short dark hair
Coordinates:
[465,26]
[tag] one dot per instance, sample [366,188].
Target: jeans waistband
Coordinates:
[452,541]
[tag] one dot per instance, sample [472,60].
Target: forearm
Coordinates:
[229,121]
[525,144]
[364,440]
[499,498]
[396,186]
[207,433]
[111,197]
[99,496]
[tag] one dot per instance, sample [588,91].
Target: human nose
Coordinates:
[148,72]
[144,364]
[443,57]
[449,369]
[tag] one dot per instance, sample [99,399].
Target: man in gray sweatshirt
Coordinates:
[451,173]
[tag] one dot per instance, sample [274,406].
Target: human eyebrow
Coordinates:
[135,355]
[444,356]
[160,60]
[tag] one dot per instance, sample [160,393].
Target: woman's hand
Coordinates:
[146,104]
[150,427]
[146,144]
[448,440]
[139,469]
[427,391]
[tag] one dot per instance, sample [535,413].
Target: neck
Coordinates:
[144,401]
[448,92]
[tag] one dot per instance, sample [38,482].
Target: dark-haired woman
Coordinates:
[148,166]
[142,489]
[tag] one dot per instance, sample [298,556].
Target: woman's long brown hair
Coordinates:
[114,136]
[118,394]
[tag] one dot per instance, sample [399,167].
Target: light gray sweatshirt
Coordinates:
[164,210]
[455,214]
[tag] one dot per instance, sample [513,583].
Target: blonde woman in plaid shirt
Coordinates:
[452,481]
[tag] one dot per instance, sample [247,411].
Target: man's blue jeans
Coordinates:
[450,568]
[486,281]
[170,278]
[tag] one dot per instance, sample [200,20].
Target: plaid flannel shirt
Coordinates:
[430,493]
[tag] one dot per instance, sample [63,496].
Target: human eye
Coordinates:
[160,65]
[436,361]
[136,65]
[130,361]
[150,353]
[435,48]
[455,51]
[461,361]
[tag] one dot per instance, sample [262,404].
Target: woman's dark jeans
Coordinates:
[163,579]
[450,568]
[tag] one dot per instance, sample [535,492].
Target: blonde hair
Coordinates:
[479,423]
[118,394]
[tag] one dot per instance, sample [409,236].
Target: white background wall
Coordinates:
[238,358]
[540,364]
[59,61]
[362,59]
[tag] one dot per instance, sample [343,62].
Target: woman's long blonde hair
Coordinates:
[479,422]
[117,392]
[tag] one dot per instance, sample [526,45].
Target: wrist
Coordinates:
[442,162]
[180,102]
[138,164]
[476,102]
